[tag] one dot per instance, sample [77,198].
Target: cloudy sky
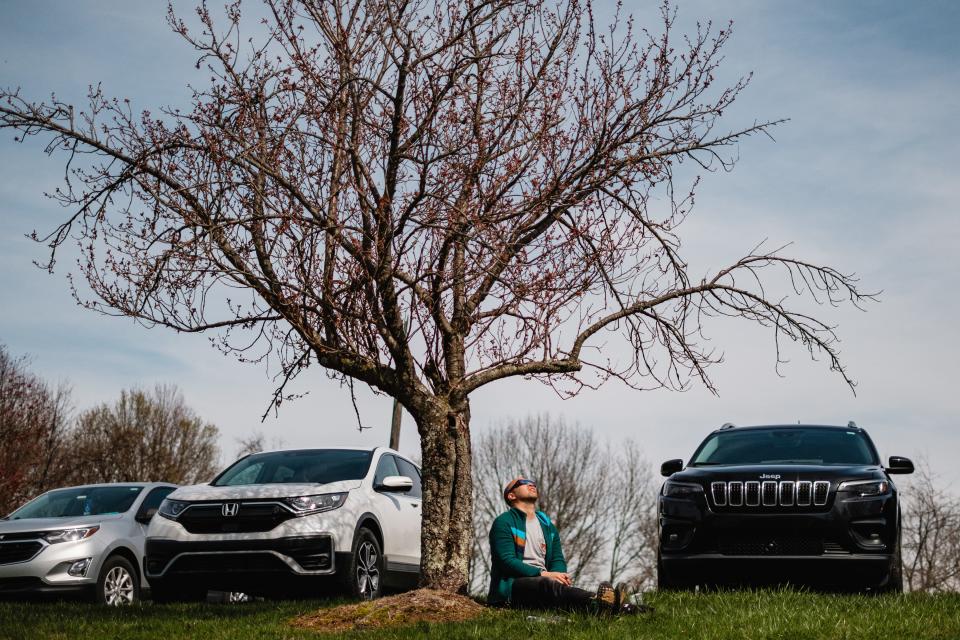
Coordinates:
[863,177]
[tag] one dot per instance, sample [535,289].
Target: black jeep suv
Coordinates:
[799,504]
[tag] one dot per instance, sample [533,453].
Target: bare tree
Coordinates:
[633,527]
[255,443]
[570,465]
[499,172]
[931,535]
[33,421]
[144,436]
[602,498]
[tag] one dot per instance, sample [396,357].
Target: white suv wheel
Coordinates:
[368,571]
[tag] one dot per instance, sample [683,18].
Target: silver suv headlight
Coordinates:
[681,489]
[304,505]
[170,509]
[865,488]
[69,535]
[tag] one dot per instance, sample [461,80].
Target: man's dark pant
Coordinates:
[547,593]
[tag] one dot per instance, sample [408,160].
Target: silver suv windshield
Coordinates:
[290,467]
[79,501]
[782,445]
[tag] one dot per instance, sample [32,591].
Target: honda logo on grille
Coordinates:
[230,509]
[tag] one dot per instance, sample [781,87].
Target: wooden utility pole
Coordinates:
[395,425]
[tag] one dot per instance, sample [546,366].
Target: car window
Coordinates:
[407,469]
[309,466]
[386,467]
[79,501]
[154,498]
[782,445]
[247,475]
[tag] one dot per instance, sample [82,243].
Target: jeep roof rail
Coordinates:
[728,425]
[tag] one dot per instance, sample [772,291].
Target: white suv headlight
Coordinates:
[304,505]
[69,535]
[170,509]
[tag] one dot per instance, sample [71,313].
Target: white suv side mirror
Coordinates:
[395,483]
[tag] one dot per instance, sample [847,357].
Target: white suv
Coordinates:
[282,521]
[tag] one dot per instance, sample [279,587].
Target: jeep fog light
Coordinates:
[79,568]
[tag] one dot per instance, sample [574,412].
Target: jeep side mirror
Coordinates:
[144,517]
[898,464]
[395,483]
[671,467]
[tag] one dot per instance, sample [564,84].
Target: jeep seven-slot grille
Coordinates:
[769,493]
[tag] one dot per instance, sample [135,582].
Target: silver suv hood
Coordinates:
[49,524]
[201,492]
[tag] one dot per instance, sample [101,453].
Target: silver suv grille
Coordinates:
[787,493]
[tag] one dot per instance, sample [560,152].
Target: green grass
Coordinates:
[761,614]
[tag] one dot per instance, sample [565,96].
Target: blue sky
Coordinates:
[862,177]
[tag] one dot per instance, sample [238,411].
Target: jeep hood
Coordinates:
[792,472]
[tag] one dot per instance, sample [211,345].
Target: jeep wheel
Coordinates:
[894,581]
[118,583]
[667,582]
[363,577]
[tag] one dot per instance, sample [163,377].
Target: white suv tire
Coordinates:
[363,576]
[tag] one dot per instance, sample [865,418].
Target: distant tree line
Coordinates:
[603,499]
[145,435]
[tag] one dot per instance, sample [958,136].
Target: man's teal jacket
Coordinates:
[508,537]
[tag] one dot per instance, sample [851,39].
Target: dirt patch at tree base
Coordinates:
[413,607]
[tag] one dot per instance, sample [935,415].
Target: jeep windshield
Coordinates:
[319,466]
[79,501]
[786,445]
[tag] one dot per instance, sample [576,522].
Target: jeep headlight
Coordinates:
[675,489]
[170,509]
[69,535]
[866,488]
[304,505]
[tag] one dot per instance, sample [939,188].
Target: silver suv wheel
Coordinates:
[118,584]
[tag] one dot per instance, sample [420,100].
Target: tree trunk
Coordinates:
[447,497]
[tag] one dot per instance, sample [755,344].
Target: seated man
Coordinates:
[528,568]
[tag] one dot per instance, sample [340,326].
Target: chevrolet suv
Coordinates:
[801,504]
[84,540]
[291,521]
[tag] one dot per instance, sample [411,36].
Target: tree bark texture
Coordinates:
[447,498]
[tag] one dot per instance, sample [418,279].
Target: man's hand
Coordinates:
[562,578]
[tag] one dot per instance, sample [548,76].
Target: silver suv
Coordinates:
[85,540]
[291,521]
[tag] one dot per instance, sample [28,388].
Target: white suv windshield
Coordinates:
[785,446]
[80,501]
[288,467]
